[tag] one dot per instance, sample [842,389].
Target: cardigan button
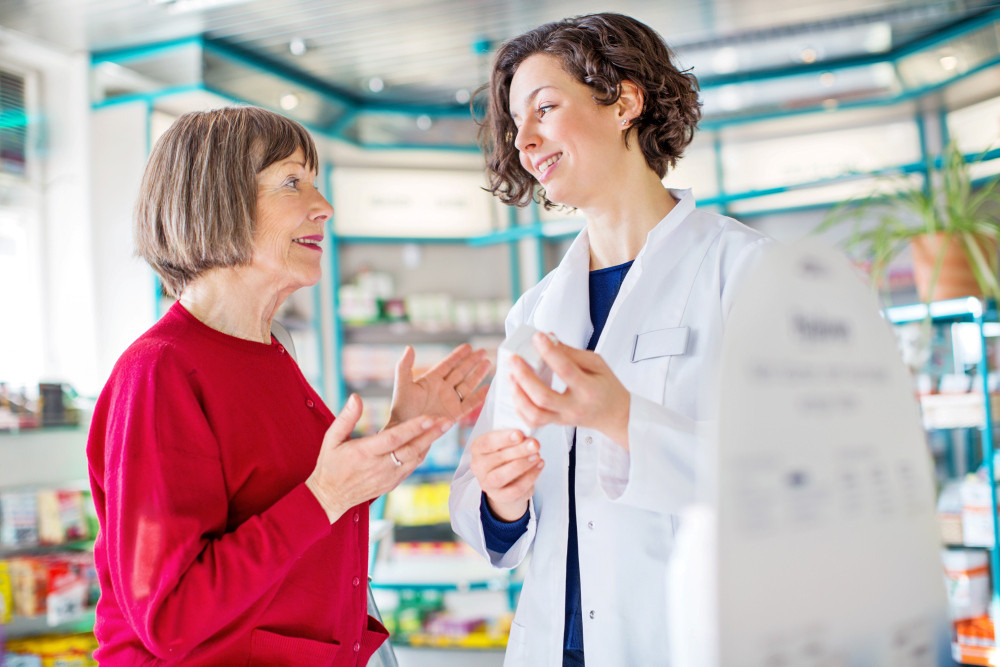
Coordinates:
[281,348]
[357,646]
[309,403]
[357,517]
[356,581]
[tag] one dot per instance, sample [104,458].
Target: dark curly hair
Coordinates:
[600,51]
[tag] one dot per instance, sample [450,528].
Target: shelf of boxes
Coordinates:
[967,507]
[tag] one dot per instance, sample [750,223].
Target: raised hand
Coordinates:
[449,389]
[594,397]
[351,471]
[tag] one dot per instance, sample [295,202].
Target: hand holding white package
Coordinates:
[517,344]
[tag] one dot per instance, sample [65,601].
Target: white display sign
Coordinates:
[398,202]
[820,537]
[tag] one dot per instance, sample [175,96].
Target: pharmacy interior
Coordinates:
[805,106]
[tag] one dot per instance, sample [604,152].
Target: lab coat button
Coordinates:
[589,440]
[590,524]
[591,613]
[355,581]
[309,403]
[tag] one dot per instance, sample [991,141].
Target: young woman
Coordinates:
[591,112]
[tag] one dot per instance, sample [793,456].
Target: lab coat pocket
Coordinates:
[660,343]
[651,355]
[517,645]
[271,648]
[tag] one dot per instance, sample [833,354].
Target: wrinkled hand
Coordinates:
[507,465]
[352,471]
[446,390]
[594,397]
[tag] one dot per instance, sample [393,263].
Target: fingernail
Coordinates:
[515,436]
[427,423]
[531,446]
[533,458]
[445,425]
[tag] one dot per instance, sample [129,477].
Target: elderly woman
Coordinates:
[233,507]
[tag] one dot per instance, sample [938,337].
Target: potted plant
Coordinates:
[951,229]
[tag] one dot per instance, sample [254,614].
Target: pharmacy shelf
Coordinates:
[948,411]
[44,457]
[20,626]
[401,333]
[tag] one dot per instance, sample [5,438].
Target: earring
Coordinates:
[624,122]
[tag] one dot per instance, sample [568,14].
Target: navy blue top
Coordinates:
[500,535]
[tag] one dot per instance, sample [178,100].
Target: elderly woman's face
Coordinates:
[291,215]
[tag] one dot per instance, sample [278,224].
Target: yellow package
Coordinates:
[6,593]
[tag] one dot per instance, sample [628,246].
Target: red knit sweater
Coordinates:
[212,551]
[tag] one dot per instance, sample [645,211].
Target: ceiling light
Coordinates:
[462,95]
[297,46]
[830,104]
[949,62]
[725,60]
[827,79]
[375,84]
[289,101]
[808,55]
[424,122]
[183,6]
[879,38]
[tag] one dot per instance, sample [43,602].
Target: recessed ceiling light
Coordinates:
[297,46]
[949,62]
[375,84]
[462,95]
[830,104]
[808,55]
[182,6]
[725,60]
[424,122]
[827,79]
[289,101]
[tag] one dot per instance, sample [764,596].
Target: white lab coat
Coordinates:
[662,339]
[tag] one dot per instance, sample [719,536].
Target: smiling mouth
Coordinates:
[309,242]
[543,166]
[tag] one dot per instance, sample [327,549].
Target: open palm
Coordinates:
[448,389]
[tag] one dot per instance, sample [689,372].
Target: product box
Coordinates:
[6,593]
[949,512]
[977,513]
[517,344]
[967,579]
[61,517]
[18,518]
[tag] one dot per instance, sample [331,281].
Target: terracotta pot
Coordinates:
[956,278]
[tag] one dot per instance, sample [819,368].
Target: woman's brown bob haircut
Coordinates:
[600,51]
[197,205]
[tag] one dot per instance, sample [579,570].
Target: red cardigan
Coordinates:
[212,551]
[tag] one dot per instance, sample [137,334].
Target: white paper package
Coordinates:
[517,344]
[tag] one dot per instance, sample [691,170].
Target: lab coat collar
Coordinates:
[564,308]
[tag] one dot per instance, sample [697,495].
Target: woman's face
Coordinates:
[571,144]
[291,215]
